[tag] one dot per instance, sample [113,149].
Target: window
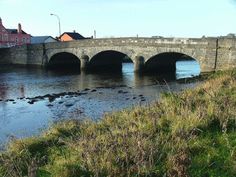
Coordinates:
[5,37]
[0,37]
[16,39]
[23,40]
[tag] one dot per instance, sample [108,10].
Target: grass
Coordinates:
[192,133]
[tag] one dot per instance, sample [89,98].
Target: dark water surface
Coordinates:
[76,95]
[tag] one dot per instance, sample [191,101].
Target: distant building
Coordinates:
[13,37]
[71,36]
[42,39]
[160,37]
[231,35]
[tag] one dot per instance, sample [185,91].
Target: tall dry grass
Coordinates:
[187,134]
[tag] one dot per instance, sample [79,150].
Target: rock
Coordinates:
[83,93]
[86,89]
[120,91]
[94,90]
[31,102]
[9,100]
[49,105]
[70,93]
[62,94]
[39,97]
[34,100]
[47,95]
[69,105]
[51,98]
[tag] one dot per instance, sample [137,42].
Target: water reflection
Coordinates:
[186,69]
[31,82]
[107,92]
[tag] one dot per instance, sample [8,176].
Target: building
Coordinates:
[71,36]
[42,39]
[13,37]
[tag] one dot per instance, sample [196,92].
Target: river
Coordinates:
[32,98]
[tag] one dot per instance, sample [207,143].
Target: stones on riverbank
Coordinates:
[31,102]
[142,98]
[9,100]
[69,105]
[52,97]
[122,92]
[94,90]
[49,105]
[98,92]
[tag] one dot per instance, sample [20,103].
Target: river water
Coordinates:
[31,98]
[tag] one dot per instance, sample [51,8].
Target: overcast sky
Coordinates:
[120,18]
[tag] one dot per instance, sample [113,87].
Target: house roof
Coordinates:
[40,39]
[14,31]
[74,35]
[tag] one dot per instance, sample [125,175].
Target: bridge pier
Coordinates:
[138,64]
[84,62]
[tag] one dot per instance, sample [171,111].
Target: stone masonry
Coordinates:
[211,53]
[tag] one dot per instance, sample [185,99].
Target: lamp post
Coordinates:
[59,23]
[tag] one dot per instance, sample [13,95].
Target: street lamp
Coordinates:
[58,23]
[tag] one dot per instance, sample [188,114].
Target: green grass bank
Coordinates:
[192,133]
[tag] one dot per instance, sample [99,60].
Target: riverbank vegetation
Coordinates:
[192,133]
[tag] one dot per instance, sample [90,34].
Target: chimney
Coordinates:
[74,31]
[0,21]
[19,28]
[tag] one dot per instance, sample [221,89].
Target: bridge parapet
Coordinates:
[211,53]
[133,42]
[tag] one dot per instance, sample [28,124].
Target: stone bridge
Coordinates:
[146,53]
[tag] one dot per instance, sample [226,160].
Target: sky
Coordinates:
[122,18]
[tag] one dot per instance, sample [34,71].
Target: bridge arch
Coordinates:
[108,60]
[64,60]
[166,61]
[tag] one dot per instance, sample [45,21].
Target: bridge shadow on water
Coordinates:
[127,76]
[113,65]
[166,66]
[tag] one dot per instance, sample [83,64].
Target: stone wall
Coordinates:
[5,56]
[226,55]
[211,53]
